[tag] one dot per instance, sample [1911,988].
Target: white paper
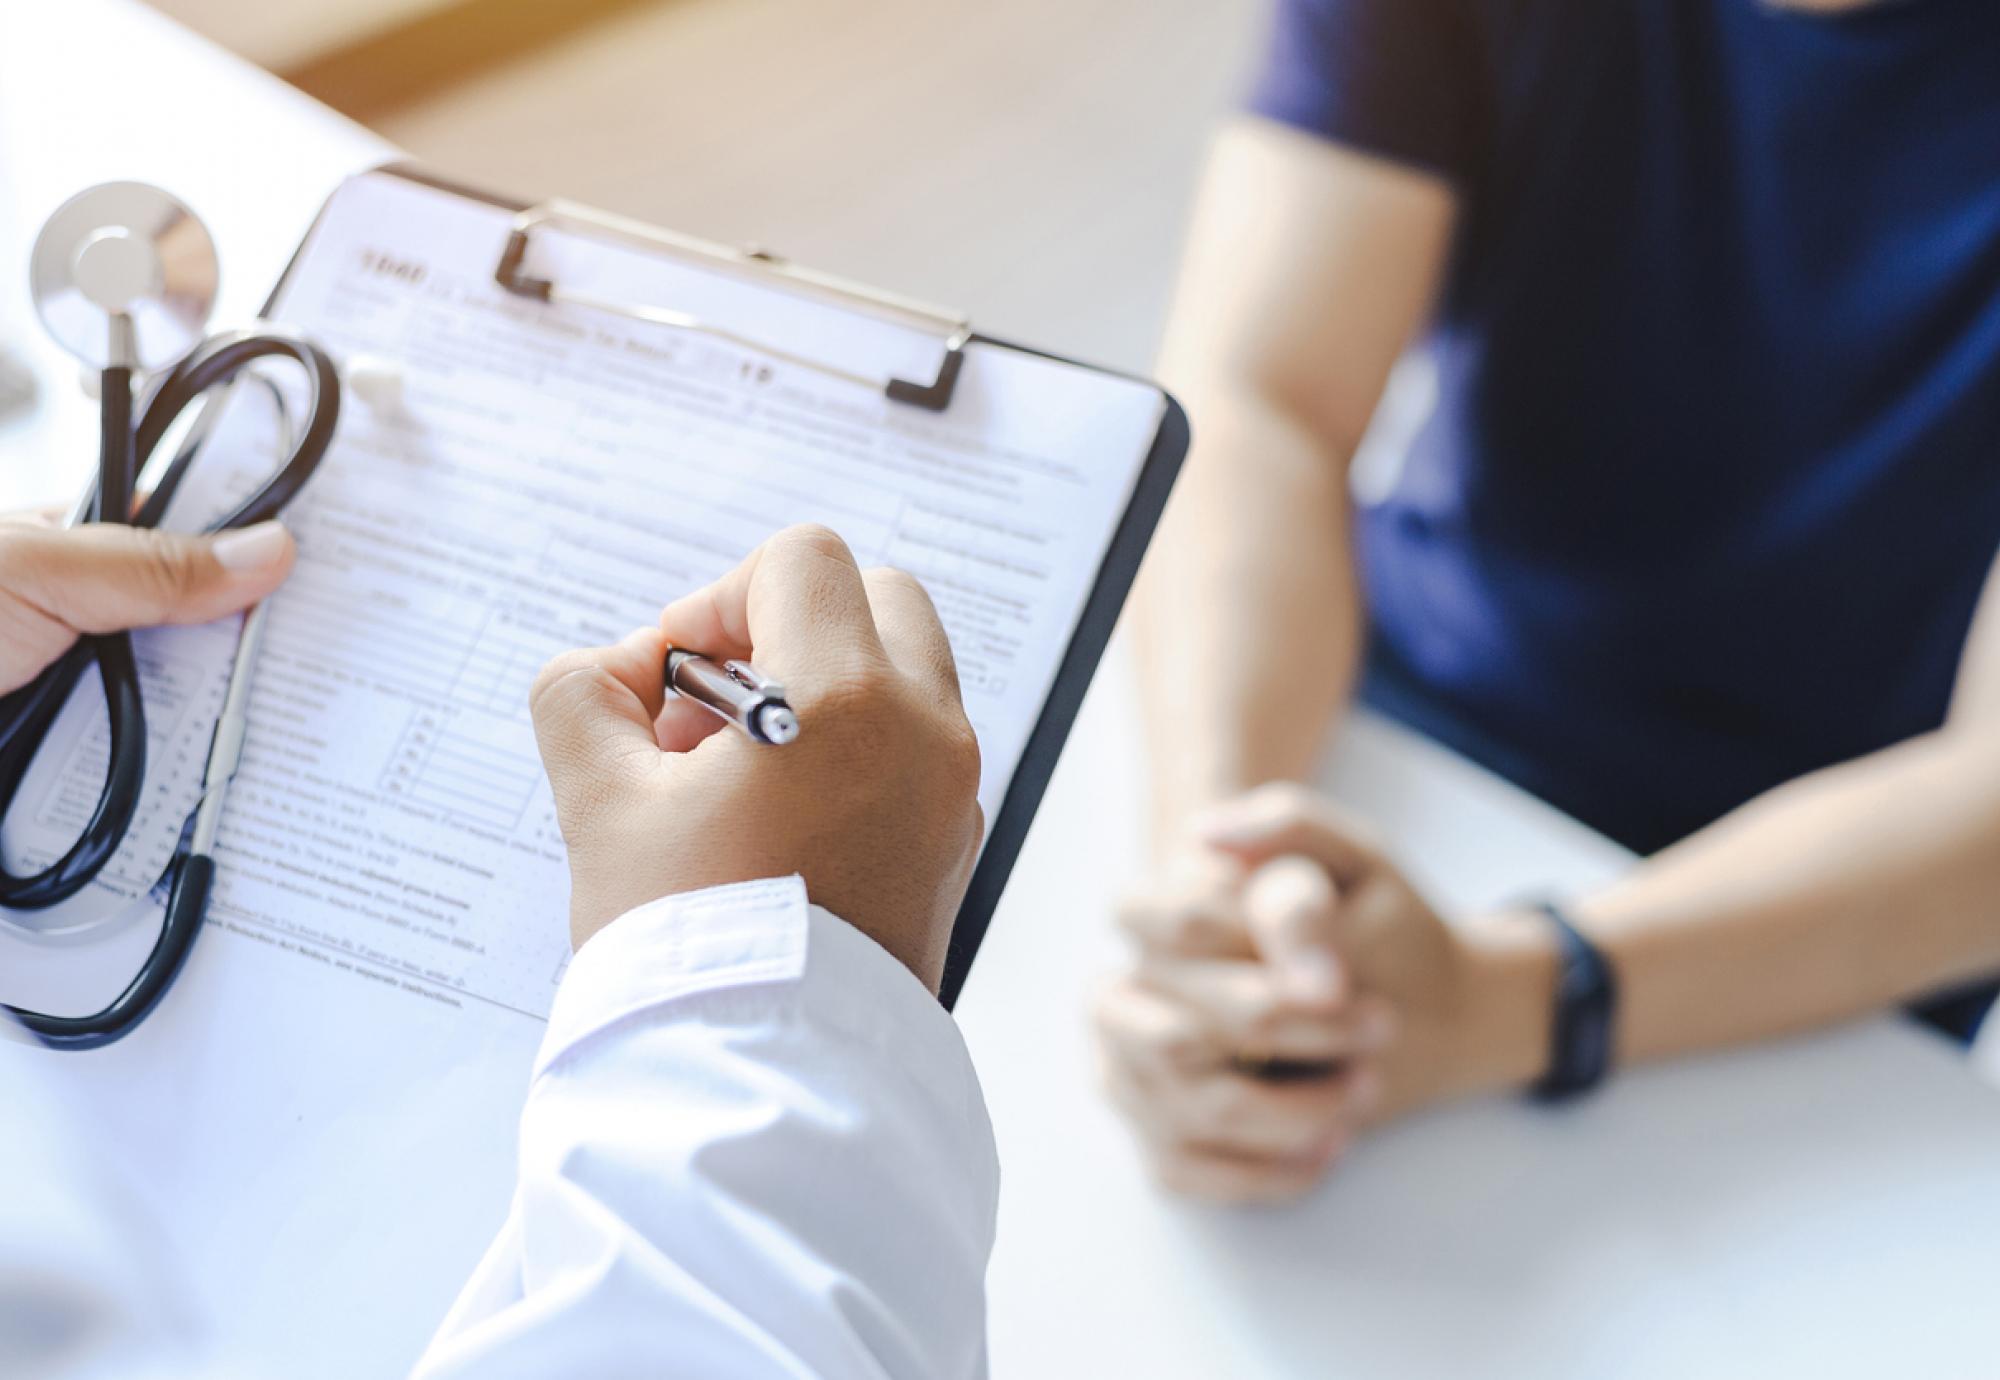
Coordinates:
[337,1071]
[551,477]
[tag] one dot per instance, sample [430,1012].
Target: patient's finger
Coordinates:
[1248,1116]
[1218,1176]
[1246,1011]
[1293,912]
[1194,908]
[1284,817]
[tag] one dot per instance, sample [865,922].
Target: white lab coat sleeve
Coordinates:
[87,1286]
[754,1146]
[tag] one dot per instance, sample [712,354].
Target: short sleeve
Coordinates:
[1401,79]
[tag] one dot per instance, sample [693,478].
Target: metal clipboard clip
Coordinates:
[953,330]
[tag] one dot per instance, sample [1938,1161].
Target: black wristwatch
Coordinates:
[1586,1009]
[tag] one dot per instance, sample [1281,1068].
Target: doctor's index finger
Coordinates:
[595,707]
[795,599]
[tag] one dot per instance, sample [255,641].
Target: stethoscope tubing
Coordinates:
[187,907]
[27,715]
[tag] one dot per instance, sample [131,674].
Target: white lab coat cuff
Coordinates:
[679,946]
[746,949]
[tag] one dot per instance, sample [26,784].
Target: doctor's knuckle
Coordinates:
[893,580]
[856,694]
[813,538]
[958,754]
[902,601]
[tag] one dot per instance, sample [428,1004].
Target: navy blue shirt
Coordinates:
[1714,479]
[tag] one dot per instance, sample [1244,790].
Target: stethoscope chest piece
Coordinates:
[124,252]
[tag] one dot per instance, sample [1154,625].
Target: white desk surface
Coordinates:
[1830,1206]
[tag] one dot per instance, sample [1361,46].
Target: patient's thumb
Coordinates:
[1292,909]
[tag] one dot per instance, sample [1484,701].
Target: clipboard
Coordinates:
[933,391]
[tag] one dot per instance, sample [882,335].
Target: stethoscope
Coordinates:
[124,277]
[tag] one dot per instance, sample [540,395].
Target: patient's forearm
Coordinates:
[1846,891]
[1249,618]
[1309,268]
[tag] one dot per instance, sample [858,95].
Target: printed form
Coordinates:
[549,479]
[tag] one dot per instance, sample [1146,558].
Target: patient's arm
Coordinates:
[1843,893]
[1850,889]
[1307,271]
[1847,891]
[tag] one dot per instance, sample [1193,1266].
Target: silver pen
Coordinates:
[735,692]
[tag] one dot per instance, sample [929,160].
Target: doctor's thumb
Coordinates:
[106,578]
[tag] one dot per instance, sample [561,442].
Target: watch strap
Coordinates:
[1586,1008]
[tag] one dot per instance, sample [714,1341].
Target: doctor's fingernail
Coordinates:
[252,549]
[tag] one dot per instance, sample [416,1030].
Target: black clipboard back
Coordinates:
[1092,634]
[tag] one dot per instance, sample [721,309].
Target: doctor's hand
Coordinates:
[58,583]
[875,804]
[1306,993]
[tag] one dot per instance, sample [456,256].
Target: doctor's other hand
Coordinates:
[1310,994]
[875,804]
[57,583]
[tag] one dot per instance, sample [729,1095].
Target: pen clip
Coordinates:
[748,676]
